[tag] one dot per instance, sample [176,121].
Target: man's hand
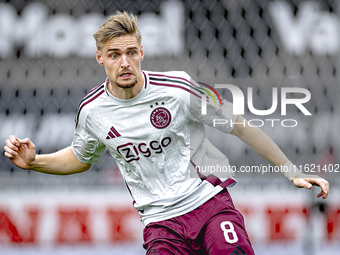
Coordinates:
[307,181]
[20,152]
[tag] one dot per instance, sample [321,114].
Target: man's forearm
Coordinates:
[260,142]
[263,145]
[62,162]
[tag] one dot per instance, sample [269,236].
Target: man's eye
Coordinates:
[114,55]
[132,53]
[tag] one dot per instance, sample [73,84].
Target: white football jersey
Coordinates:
[157,139]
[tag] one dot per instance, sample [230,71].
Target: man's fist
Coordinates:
[20,152]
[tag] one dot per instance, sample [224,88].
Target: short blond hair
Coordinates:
[117,25]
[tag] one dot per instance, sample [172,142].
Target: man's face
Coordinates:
[121,57]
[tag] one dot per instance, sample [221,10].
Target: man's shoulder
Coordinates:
[89,101]
[169,74]
[177,84]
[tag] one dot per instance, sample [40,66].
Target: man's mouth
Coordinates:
[125,75]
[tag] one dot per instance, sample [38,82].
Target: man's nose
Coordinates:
[124,62]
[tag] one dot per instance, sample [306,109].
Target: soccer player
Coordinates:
[151,122]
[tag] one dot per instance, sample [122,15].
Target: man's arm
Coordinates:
[263,145]
[22,154]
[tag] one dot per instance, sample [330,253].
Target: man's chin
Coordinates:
[126,85]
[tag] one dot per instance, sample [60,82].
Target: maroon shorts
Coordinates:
[215,227]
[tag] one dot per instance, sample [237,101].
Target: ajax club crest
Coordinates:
[160,117]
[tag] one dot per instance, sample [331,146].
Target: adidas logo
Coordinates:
[112,133]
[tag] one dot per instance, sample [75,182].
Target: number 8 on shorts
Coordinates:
[230,230]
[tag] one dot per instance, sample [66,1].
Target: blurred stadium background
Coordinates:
[47,65]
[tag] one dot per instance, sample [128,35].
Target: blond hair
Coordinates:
[117,25]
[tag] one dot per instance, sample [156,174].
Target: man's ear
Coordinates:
[99,58]
[141,52]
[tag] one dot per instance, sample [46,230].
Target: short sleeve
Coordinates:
[86,146]
[217,112]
